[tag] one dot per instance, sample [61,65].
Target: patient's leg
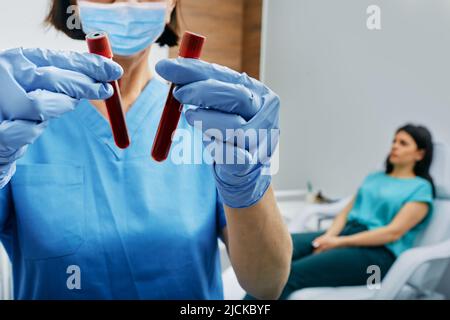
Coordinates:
[337,267]
[302,246]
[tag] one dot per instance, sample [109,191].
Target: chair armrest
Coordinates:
[407,264]
[299,222]
[295,194]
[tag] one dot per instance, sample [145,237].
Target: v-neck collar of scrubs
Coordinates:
[144,104]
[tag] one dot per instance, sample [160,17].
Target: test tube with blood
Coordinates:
[98,43]
[191,47]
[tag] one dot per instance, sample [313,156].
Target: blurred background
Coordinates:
[345,89]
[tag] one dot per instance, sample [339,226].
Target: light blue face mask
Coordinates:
[131,26]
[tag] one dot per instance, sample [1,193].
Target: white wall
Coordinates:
[21,22]
[345,89]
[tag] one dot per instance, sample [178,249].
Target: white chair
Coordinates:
[418,271]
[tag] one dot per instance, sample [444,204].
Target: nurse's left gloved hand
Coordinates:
[229,104]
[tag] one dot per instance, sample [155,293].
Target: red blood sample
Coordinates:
[191,47]
[98,43]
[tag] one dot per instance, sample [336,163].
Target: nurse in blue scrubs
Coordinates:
[83,219]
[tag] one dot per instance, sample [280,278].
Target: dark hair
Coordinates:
[424,141]
[59,15]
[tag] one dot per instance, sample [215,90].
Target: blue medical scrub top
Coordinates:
[83,219]
[381,197]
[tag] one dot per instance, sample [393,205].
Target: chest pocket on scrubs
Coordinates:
[49,206]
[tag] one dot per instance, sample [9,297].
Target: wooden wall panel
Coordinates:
[251,45]
[233,29]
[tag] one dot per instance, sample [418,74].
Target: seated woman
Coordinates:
[379,224]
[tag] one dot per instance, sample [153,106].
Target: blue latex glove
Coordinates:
[38,85]
[225,99]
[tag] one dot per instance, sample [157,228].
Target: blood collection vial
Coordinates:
[191,47]
[98,43]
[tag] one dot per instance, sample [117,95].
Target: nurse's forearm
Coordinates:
[260,247]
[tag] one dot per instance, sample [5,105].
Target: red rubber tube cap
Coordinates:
[191,45]
[98,43]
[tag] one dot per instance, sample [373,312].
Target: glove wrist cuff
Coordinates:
[247,192]
[6,173]
[9,157]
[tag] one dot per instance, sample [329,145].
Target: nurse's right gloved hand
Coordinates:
[239,117]
[37,85]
